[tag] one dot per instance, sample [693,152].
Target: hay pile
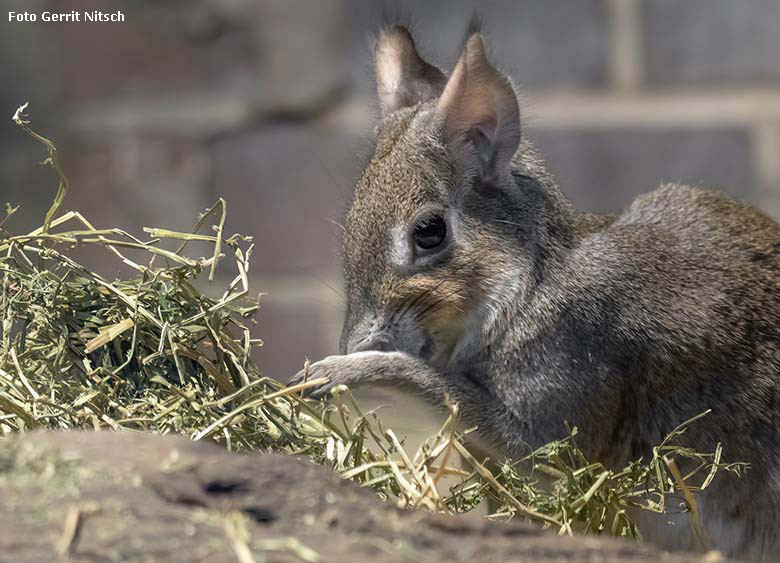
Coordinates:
[152,352]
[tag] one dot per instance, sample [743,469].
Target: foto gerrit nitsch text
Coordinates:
[73,16]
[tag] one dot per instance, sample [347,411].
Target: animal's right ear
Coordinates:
[403,78]
[479,106]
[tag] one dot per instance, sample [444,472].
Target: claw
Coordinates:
[320,392]
[318,379]
[308,383]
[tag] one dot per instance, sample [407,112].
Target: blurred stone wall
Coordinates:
[270,104]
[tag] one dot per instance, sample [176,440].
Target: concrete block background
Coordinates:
[270,104]
[604,169]
[711,42]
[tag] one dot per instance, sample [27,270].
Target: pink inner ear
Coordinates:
[487,126]
[479,104]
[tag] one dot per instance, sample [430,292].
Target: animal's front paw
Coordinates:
[336,369]
[365,367]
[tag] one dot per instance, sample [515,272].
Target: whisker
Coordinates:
[508,222]
[339,293]
[412,302]
[335,183]
[425,300]
[436,305]
[339,225]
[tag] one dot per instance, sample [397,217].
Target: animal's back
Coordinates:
[695,277]
[705,215]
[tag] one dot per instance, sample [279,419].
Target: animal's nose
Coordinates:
[377,342]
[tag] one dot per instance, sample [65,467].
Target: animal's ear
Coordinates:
[403,78]
[479,106]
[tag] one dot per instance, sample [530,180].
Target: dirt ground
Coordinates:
[138,497]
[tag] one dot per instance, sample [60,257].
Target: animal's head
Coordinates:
[437,225]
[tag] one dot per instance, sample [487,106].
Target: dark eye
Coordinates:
[430,232]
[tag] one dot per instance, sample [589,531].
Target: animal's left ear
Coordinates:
[479,106]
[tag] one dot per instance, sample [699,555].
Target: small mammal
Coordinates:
[469,275]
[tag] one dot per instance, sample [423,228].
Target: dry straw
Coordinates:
[153,352]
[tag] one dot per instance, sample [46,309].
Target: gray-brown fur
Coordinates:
[533,316]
